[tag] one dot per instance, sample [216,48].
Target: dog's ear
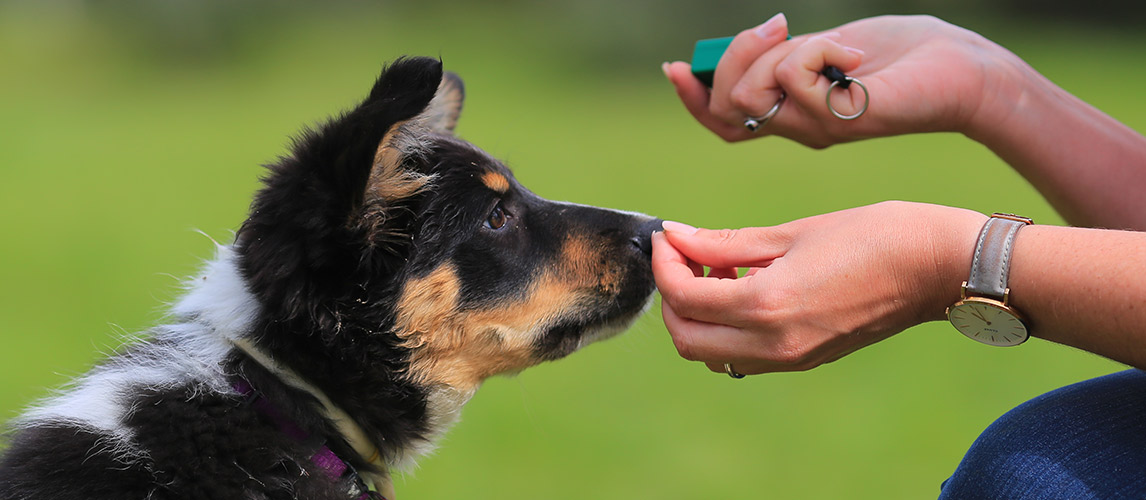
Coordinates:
[409,138]
[303,242]
[441,116]
[396,178]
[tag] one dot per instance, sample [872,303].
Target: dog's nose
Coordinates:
[644,237]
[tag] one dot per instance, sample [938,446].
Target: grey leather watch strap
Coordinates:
[992,261]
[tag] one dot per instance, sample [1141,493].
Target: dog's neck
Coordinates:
[347,427]
[220,299]
[349,430]
[444,406]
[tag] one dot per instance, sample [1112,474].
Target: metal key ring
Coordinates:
[866,99]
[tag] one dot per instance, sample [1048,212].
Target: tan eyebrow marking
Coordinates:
[495,181]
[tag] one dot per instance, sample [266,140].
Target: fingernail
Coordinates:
[677,227]
[665,69]
[771,26]
[854,50]
[830,35]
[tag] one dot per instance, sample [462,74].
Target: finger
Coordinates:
[682,284]
[741,368]
[668,260]
[706,342]
[724,273]
[745,48]
[714,345]
[725,248]
[799,72]
[710,300]
[756,367]
[758,90]
[695,96]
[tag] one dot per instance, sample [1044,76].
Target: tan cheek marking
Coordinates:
[426,309]
[549,300]
[462,348]
[452,347]
[495,181]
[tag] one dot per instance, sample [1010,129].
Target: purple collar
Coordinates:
[324,458]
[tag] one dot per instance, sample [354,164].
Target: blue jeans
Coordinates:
[1086,440]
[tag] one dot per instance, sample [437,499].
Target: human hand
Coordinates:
[816,289]
[923,75]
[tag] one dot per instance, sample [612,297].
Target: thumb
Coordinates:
[725,248]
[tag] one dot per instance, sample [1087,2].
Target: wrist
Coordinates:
[1009,89]
[954,239]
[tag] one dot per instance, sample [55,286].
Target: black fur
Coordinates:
[326,263]
[55,462]
[314,270]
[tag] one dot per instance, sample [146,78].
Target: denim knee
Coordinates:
[1086,440]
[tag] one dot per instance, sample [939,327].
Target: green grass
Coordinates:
[111,157]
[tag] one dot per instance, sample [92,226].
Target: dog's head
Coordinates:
[386,247]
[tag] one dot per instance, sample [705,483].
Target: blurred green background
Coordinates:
[128,127]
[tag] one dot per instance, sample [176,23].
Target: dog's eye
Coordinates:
[497,218]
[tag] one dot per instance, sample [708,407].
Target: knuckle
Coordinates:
[725,236]
[792,354]
[928,20]
[788,348]
[743,98]
[787,72]
[717,107]
[889,205]
[818,145]
[684,346]
[742,44]
[776,305]
[680,305]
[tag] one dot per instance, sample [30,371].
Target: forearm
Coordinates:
[1088,165]
[1083,288]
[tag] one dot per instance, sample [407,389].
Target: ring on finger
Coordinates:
[754,123]
[732,373]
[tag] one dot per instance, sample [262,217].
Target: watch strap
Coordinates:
[992,260]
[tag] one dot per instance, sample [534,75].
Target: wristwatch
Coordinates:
[984,313]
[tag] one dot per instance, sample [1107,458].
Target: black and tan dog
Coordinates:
[387,268]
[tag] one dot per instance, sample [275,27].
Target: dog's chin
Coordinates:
[566,341]
[616,326]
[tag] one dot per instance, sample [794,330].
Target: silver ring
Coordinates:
[866,99]
[755,123]
[732,373]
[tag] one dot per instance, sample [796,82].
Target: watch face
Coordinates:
[988,321]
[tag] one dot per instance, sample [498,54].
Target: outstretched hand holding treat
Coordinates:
[820,288]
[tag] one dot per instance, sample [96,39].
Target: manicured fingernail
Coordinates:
[677,227]
[830,35]
[771,26]
[665,69]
